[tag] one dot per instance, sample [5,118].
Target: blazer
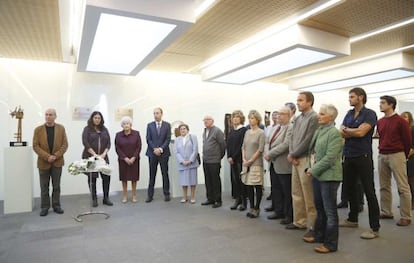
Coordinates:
[279,149]
[41,146]
[158,141]
[186,152]
[327,146]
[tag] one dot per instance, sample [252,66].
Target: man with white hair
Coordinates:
[214,148]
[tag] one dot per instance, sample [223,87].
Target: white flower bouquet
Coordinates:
[92,164]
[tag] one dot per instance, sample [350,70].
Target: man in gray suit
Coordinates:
[280,168]
[213,151]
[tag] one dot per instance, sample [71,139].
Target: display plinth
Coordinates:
[18,180]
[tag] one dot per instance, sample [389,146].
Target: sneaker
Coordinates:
[370,234]
[347,223]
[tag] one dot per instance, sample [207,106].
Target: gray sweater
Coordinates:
[304,127]
[214,145]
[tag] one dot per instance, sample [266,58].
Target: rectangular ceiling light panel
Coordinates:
[389,67]
[123,36]
[292,59]
[292,48]
[361,80]
[121,42]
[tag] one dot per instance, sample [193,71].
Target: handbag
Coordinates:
[198,155]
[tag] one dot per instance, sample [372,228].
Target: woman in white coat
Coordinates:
[186,150]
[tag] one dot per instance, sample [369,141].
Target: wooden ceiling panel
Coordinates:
[29,29]
[228,23]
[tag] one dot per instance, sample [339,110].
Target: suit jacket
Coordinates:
[41,146]
[158,141]
[186,152]
[279,149]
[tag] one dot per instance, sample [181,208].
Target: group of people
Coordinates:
[308,158]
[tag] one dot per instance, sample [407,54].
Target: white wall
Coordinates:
[37,86]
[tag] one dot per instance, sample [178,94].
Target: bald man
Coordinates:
[50,143]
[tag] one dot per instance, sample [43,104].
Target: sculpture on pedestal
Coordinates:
[18,113]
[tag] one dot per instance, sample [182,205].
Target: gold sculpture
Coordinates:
[18,113]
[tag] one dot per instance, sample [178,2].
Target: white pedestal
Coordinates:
[18,180]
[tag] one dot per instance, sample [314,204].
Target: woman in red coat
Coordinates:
[128,147]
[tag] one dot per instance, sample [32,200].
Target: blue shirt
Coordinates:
[358,146]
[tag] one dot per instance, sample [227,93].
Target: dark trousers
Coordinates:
[153,165]
[251,193]
[361,168]
[239,189]
[286,182]
[53,173]
[278,199]
[345,199]
[326,224]
[212,181]
[106,180]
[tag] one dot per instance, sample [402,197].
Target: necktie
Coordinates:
[274,135]
[158,128]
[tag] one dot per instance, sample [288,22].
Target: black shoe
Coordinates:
[58,210]
[94,202]
[148,200]
[167,198]
[207,202]
[342,205]
[242,207]
[269,209]
[275,216]
[292,226]
[216,205]
[269,197]
[44,212]
[285,221]
[107,202]
[235,205]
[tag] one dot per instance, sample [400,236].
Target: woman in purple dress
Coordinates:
[128,147]
[96,142]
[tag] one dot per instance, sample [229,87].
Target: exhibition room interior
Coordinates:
[192,58]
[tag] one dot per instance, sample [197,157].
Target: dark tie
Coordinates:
[274,135]
[158,128]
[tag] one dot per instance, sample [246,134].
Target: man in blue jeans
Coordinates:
[357,129]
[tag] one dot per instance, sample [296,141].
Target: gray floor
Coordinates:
[175,232]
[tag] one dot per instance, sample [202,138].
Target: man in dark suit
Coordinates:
[158,140]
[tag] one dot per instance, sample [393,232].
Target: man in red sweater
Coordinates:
[394,146]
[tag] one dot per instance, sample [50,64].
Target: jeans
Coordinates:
[326,224]
[361,168]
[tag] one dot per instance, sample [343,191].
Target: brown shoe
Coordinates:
[384,216]
[309,239]
[403,222]
[322,249]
